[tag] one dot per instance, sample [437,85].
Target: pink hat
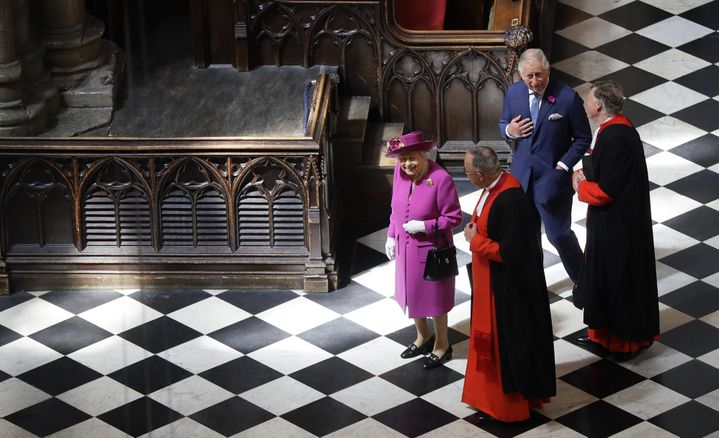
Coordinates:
[410,142]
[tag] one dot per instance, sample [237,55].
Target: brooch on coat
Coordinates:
[429,182]
[551,99]
[555,116]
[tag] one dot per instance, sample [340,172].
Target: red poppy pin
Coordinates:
[551,99]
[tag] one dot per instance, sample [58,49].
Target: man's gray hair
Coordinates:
[610,94]
[485,160]
[533,55]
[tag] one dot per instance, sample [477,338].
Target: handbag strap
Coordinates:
[436,234]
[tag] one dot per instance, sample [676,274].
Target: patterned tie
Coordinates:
[534,108]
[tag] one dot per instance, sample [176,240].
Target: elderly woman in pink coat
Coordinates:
[423,194]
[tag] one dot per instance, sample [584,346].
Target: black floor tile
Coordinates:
[338,335]
[407,335]
[140,416]
[692,379]
[599,419]
[703,115]
[415,417]
[640,114]
[565,16]
[4,376]
[706,47]
[696,299]
[70,335]
[331,375]
[635,15]
[602,378]
[80,301]
[502,430]
[47,417]
[232,416]
[323,416]
[692,419]
[7,335]
[249,335]
[347,299]
[59,376]
[149,375]
[706,15]
[160,334]
[563,48]
[464,186]
[634,80]
[12,300]
[566,78]
[703,151]
[257,301]
[465,220]
[699,261]
[169,301]
[240,375]
[705,81]
[693,338]
[365,258]
[700,186]
[632,48]
[413,378]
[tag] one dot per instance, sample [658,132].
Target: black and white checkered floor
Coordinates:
[211,363]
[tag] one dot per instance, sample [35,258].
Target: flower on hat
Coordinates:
[551,99]
[394,144]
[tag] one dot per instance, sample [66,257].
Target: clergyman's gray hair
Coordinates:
[532,54]
[610,94]
[485,160]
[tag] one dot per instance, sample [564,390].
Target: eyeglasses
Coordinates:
[468,172]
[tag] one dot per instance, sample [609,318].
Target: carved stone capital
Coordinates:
[517,37]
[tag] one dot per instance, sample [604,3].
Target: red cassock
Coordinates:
[510,362]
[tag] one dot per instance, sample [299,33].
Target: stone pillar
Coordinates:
[16,118]
[82,64]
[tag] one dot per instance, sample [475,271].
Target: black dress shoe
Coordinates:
[482,417]
[585,340]
[413,350]
[433,361]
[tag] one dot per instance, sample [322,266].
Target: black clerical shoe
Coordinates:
[433,361]
[413,350]
[584,340]
[482,417]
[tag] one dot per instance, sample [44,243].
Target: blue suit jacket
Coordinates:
[565,139]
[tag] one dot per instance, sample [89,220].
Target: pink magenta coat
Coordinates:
[434,197]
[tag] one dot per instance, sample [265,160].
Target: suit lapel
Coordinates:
[546,107]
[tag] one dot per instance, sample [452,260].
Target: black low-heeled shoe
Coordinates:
[414,351]
[433,361]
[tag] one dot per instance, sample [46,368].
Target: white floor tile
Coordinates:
[276,427]
[99,396]
[44,314]
[16,395]
[672,64]
[551,429]
[674,31]
[665,168]
[668,132]
[644,429]
[383,317]
[369,427]
[9,430]
[376,356]
[293,316]
[196,315]
[191,395]
[676,7]
[668,98]
[200,354]
[91,427]
[373,396]
[667,204]
[590,65]
[646,399]
[593,32]
[671,318]
[595,7]
[25,354]
[568,399]
[457,429]
[375,240]
[714,241]
[469,201]
[668,241]
[670,279]
[711,399]
[380,278]
[566,318]
[110,355]
[449,398]
[184,427]
[655,360]
[712,358]
[568,357]
[282,395]
[290,355]
[120,315]
[712,318]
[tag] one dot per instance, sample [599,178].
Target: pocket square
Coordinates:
[555,116]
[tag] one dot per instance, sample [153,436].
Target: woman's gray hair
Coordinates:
[534,55]
[485,160]
[610,94]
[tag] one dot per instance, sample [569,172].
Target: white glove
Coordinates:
[389,247]
[414,227]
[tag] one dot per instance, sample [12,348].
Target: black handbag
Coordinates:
[441,262]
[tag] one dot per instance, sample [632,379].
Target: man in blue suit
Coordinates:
[545,122]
